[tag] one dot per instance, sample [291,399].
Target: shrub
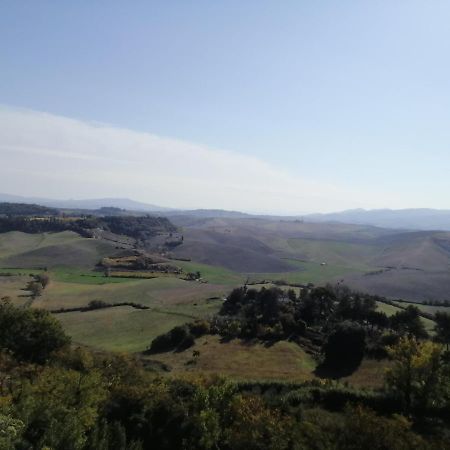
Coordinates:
[200,328]
[30,334]
[179,338]
[345,346]
[43,279]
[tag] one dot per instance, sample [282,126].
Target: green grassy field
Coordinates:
[172,301]
[213,274]
[122,328]
[389,310]
[430,309]
[66,249]
[152,292]
[307,272]
[74,275]
[16,242]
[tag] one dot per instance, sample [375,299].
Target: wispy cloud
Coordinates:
[48,155]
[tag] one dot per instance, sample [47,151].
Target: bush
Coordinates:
[345,347]
[199,328]
[35,288]
[179,338]
[97,304]
[43,279]
[30,334]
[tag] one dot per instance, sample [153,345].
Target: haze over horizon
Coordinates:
[262,108]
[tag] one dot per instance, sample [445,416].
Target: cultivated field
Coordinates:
[391,263]
[227,253]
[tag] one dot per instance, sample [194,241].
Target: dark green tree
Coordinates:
[345,348]
[30,334]
[408,321]
[442,328]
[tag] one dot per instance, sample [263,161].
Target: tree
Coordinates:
[35,288]
[324,298]
[43,279]
[409,321]
[256,427]
[269,304]
[234,301]
[179,338]
[30,334]
[364,429]
[442,328]
[291,295]
[419,378]
[378,319]
[345,347]
[10,431]
[60,407]
[316,304]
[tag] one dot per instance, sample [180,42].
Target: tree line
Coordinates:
[339,325]
[139,228]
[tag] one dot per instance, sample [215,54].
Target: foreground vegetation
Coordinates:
[53,395]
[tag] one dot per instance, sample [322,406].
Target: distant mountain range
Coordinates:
[408,219]
[122,203]
[405,219]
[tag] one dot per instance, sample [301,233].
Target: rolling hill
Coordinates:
[410,219]
[412,265]
[393,263]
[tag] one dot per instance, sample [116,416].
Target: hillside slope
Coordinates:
[413,265]
[412,219]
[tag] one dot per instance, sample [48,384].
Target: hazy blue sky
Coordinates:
[345,102]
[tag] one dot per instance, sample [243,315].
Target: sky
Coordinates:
[261,106]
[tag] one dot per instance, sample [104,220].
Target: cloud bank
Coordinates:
[57,157]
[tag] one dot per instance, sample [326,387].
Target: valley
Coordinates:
[225,253]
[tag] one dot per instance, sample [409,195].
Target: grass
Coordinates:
[431,309]
[252,360]
[152,292]
[12,287]
[51,250]
[389,310]
[172,301]
[242,360]
[370,374]
[307,272]
[122,328]
[125,328]
[79,276]
[16,242]
[19,271]
[336,253]
[213,274]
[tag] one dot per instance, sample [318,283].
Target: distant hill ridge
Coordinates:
[26,209]
[407,219]
[411,219]
[122,203]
